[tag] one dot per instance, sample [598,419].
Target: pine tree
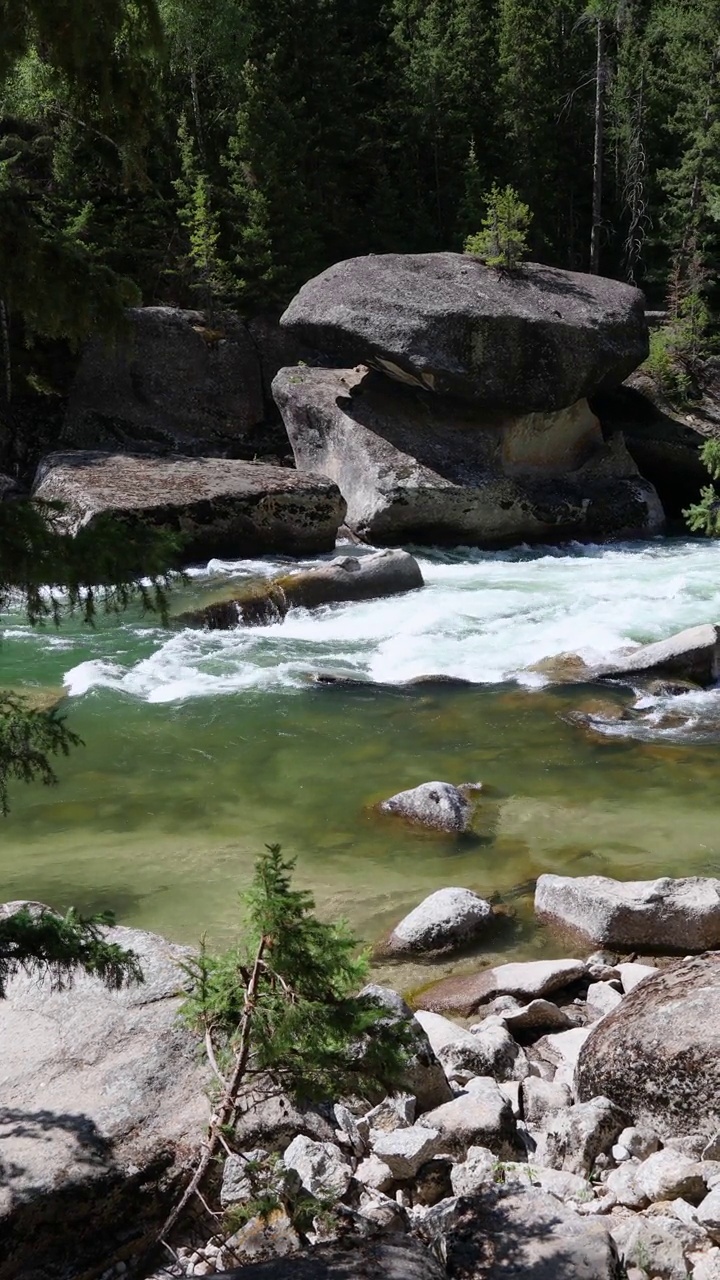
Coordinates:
[502,242]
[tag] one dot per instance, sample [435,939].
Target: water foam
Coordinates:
[482,616]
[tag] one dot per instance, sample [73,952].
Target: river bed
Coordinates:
[200,747]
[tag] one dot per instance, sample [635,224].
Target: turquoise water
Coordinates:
[201,747]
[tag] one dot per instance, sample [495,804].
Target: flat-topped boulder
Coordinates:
[347,578]
[529,980]
[221,507]
[667,915]
[104,1101]
[693,654]
[418,467]
[535,339]
[658,1054]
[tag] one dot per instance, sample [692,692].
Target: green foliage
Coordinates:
[502,242]
[704,516]
[27,739]
[677,348]
[310,1033]
[38,941]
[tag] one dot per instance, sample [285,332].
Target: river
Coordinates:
[200,747]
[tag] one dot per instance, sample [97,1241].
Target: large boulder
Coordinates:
[445,921]
[104,1102]
[367,577]
[658,1054]
[174,380]
[535,339]
[693,654]
[505,1233]
[661,915]
[415,467]
[220,507]
[438,805]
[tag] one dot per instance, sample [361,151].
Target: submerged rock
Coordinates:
[446,921]
[425,469]
[385,573]
[665,914]
[220,507]
[439,805]
[535,339]
[658,1054]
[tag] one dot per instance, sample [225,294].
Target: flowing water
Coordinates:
[200,747]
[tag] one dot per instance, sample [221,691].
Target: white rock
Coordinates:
[348,1128]
[543,1098]
[568,1044]
[438,805]
[500,1055]
[405,1150]
[461,1054]
[643,1243]
[667,1175]
[477,1170]
[619,1153]
[622,1183]
[711,1150]
[480,1116]
[394,1112]
[603,997]
[632,973]
[577,1137]
[706,1266]
[639,1142]
[708,1214]
[321,1167]
[684,913]
[240,1176]
[444,921]
[373,1172]
[538,1014]
[510,1089]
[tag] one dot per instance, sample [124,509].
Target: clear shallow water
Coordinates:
[200,747]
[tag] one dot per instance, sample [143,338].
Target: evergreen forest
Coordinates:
[220,152]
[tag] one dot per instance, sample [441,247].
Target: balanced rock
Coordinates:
[446,921]
[527,980]
[665,914]
[416,467]
[104,1100]
[535,340]
[658,1054]
[439,805]
[405,1150]
[221,507]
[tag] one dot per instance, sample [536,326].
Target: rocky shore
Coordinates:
[559,1118]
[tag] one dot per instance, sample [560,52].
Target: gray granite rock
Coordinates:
[445,921]
[671,915]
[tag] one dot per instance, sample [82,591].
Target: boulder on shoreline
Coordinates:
[414,467]
[347,578]
[536,339]
[103,1101]
[445,921]
[658,1055]
[220,507]
[667,915]
[465,994]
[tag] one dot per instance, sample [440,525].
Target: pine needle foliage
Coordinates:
[27,741]
[310,1033]
[40,942]
[704,515]
[51,571]
[502,241]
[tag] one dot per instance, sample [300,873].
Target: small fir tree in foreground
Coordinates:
[502,242]
[281,1013]
[704,515]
